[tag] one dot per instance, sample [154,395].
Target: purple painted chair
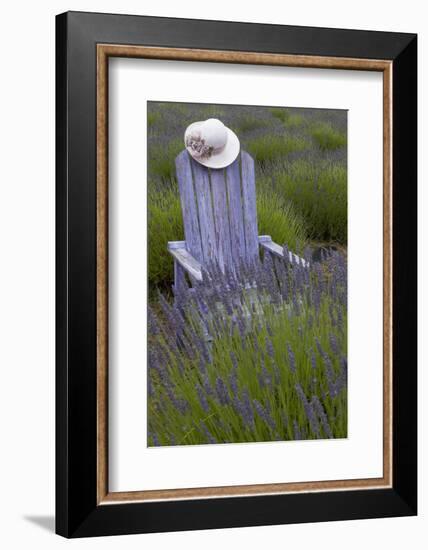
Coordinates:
[219,216]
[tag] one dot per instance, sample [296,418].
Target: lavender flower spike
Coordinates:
[202,398]
[264,415]
[291,359]
[247,410]
[297,433]
[222,392]
[316,403]
[333,344]
[310,415]
[208,434]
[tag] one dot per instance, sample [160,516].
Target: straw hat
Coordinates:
[211,143]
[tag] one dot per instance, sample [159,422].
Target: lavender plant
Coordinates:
[257,353]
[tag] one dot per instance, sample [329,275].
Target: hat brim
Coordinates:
[223,159]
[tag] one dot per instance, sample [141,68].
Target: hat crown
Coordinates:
[214,133]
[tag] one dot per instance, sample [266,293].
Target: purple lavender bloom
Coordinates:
[234,360]
[333,344]
[329,375]
[207,433]
[247,410]
[343,376]
[256,342]
[156,365]
[154,439]
[298,277]
[332,315]
[242,329]
[297,432]
[168,312]
[221,390]
[202,398]
[152,322]
[264,414]
[316,403]
[282,273]
[207,385]
[296,305]
[180,404]
[310,415]
[319,347]
[319,278]
[266,377]
[269,348]
[233,382]
[202,366]
[291,359]
[316,297]
[339,316]
[313,360]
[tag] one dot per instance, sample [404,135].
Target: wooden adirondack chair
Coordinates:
[219,216]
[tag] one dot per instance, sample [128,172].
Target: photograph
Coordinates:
[247,273]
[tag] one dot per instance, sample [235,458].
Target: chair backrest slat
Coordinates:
[219,210]
[236,218]
[189,207]
[221,218]
[249,205]
[202,190]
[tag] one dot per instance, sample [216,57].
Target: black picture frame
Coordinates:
[77,511]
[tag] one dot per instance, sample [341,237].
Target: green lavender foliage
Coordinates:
[328,137]
[165,223]
[318,189]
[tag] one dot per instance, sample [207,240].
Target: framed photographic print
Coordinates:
[236,274]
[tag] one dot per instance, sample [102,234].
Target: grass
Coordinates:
[268,148]
[278,218]
[286,117]
[318,192]
[161,159]
[164,224]
[327,137]
[248,123]
[280,113]
[153,119]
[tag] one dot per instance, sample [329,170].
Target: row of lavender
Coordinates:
[258,356]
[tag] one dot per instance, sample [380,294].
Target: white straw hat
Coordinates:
[211,143]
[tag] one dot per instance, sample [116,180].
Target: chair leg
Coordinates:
[179,278]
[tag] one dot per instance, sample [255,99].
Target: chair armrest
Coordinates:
[266,242]
[181,255]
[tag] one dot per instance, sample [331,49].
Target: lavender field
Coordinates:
[259,354]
